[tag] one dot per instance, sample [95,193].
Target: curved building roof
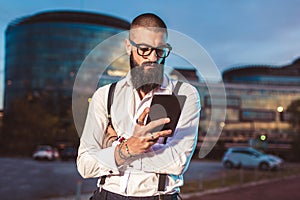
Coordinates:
[71,16]
[243,72]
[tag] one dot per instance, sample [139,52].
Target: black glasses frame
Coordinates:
[159,49]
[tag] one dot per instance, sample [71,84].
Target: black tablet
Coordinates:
[163,106]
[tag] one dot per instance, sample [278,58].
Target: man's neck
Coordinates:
[142,94]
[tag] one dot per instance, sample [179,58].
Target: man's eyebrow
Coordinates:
[148,45]
[144,44]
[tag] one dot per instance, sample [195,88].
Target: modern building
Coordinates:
[257,100]
[288,75]
[185,74]
[44,51]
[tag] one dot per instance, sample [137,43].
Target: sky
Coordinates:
[233,32]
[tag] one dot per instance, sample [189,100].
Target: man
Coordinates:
[129,153]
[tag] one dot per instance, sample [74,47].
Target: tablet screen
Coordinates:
[163,106]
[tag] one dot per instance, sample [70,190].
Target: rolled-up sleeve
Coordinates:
[174,157]
[92,160]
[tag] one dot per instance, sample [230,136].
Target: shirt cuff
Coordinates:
[107,160]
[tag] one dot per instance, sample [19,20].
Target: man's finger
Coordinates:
[156,123]
[142,117]
[163,133]
[156,135]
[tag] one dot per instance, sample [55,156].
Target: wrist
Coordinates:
[129,153]
[124,150]
[118,141]
[121,151]
[123,154]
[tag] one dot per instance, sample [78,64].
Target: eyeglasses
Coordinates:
[146,50]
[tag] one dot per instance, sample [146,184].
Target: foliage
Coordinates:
[31,123]
[294,120]
[294,111]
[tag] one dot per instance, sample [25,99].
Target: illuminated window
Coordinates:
[257,115]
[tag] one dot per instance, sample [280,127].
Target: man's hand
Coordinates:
[142,138]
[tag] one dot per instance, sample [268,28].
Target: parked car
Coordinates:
[68,153]
[237,157]
[45,152]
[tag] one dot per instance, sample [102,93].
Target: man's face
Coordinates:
[146,71]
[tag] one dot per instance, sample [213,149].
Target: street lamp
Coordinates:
[280,109]
[280,112]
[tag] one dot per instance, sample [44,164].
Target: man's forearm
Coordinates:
[109,137]
[122,154]
[107,142]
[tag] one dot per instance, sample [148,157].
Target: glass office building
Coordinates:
[44,52]
[288,75]
[257,99]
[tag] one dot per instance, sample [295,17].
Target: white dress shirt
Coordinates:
[141,176]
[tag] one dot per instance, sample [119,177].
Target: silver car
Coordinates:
[45,152]
[237,157]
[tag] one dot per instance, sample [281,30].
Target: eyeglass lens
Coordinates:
[145,50]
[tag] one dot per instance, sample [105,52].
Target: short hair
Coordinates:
[148,20]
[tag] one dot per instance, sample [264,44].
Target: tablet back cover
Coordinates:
[166,106]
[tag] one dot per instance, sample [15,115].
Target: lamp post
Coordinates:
[279,111]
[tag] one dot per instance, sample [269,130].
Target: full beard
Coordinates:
[146,79]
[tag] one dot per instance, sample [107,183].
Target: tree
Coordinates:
[30,123]
[294,120]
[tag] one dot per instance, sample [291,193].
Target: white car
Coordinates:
[45,152]
[237,157]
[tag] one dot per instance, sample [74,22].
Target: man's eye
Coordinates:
[145,49]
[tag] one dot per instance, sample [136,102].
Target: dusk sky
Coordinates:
[233,32]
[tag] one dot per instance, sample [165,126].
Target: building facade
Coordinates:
[288,75]
[257,100]
[44,52]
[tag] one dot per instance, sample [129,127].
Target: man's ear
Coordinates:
[128,46]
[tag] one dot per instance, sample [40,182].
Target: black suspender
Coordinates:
[162,177]
[109,103]
[110,100]
[177,87]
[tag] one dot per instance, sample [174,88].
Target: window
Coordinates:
[257,115]
[231,101]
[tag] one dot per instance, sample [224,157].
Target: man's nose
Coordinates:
[152,56]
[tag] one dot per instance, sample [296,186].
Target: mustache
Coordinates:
[147,63]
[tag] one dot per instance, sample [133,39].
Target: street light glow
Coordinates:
[263,137]
[280,109]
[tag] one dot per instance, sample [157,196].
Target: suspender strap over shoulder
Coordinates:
[110,101]
[162,177]
[177,87]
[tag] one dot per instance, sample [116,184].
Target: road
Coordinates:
[283,189]
[203,170]
[30,179]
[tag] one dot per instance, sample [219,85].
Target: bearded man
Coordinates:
[121,146]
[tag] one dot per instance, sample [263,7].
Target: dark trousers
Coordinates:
[106,195]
